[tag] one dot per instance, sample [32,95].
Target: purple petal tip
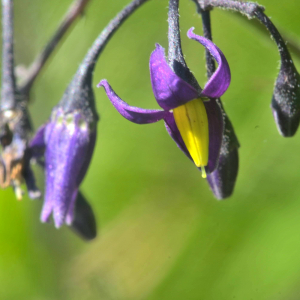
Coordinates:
[220,80]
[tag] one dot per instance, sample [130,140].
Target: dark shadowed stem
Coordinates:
[175,56]
[88,64]
[283,51]
[74,11]
[8,78]
[246,8]
[294,45]
[251,10]
[210,63]
[175,52]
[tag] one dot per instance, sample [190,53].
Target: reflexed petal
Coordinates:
[169,89]
[215,124]
[131,113]
[220,80]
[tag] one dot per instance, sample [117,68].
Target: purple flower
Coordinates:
[68,139]
[194,122]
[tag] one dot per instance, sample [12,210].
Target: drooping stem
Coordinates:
[175,56]
[252,10]
[206,24]
[8,77]
[174,51]
[293,43]
[74,11]
[246,8]
[87,66]
[283,51]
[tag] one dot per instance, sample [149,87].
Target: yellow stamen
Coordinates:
[191,120]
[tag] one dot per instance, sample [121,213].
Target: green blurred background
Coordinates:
[162,235]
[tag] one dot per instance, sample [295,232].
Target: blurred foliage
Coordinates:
[162,235]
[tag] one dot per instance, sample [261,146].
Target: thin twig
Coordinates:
[87,66]
[253,10]
[8,78]
[294,45]
[74,11]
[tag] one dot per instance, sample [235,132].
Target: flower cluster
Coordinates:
[194,117]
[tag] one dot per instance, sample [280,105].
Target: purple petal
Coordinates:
[36,146]
[38,139]
[84,222]
[215,127]
[169,89]
[70,212]
[220,80]
[173,131]
[222,180]
[131,113]
[88,157]
[49,178]
[68,144]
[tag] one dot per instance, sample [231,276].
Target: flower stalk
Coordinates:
[286,96]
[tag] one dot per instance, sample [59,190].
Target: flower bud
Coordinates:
[286,101]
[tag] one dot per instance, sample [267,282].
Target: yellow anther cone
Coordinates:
[191,120]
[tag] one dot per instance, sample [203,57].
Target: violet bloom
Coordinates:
[68,139]
[190,118]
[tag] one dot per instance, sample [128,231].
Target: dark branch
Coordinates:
[210,63]
[246,8]
[294,46]
[79,94]
[87,66]
[174,52]
[74,11]
[8,77]
[253,10]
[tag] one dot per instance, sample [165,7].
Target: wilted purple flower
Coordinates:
[69,141]
[192,121]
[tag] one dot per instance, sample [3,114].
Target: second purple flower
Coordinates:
[193,121]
